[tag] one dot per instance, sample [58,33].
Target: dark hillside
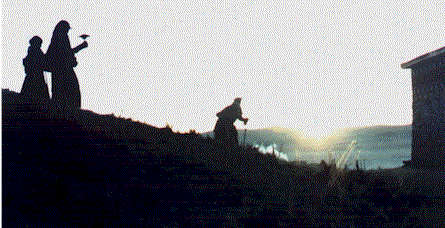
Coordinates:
[88,169]
[100,169]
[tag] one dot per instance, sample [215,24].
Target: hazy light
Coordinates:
[311,66]
[272,149]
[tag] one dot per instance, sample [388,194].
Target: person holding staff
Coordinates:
[225,132]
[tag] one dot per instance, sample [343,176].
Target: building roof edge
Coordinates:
[422,58]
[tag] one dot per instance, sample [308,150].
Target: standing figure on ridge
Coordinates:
[34,88]
[225,132]
[61,61]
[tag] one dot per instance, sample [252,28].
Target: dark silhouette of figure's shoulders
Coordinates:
[60,56]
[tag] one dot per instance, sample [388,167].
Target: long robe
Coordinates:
[225,132]
[65,89]
[34,88]
[61,61]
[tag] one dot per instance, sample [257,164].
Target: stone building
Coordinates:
[428,127]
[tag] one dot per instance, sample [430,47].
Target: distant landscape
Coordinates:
[374,147]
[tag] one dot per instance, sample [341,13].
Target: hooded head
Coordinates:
[62,27]
[36,42]
[59,53]
[60,35]
[237,100]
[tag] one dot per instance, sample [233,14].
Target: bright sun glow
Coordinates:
[318,134]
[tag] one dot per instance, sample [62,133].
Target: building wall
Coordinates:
[428,144]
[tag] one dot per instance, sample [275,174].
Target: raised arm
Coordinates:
[80,47]
[240,116]
[244,120]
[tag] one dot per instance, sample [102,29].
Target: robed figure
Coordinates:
[34,88]
[61,62]
[225,131]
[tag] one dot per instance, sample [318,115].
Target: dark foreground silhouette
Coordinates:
[60,61]
[95,170]
[34,88]
[225,132]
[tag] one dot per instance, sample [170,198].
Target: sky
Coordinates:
[312,66]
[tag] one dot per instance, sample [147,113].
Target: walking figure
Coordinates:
[34,88]
[61,61]
[225,132]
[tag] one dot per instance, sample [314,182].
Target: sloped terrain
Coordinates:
[98,169]
[92,170]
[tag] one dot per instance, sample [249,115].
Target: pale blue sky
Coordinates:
[314,66]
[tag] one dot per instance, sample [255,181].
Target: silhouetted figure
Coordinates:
[225,131]
[34,88]
[61,61]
